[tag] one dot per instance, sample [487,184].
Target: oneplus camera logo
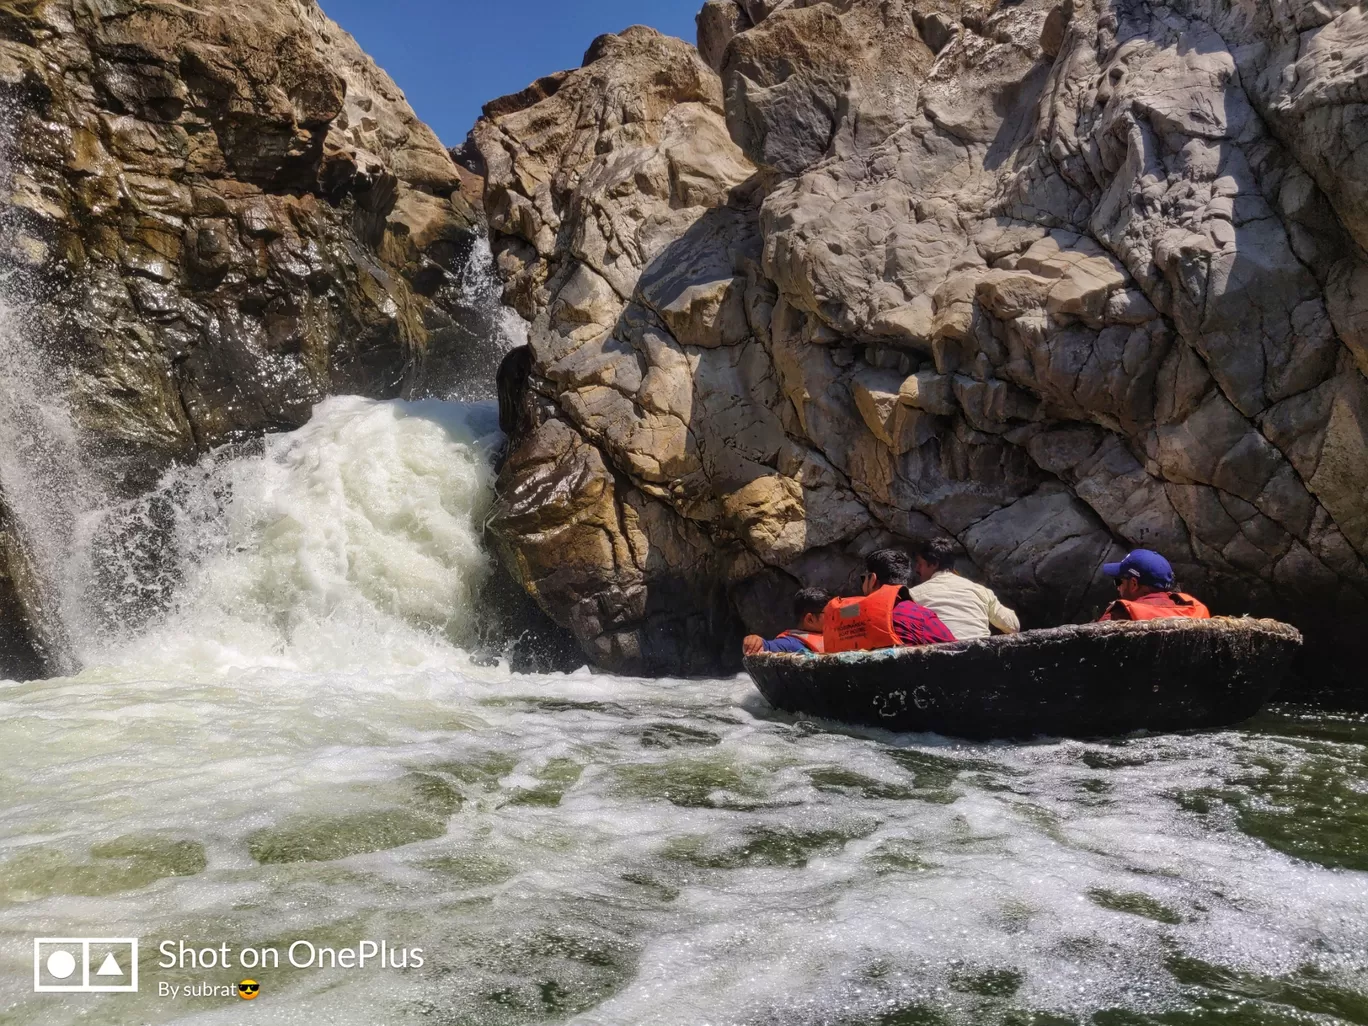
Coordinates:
[85,965]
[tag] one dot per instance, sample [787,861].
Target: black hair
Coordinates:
[941,553]
[890,566]
[810,600]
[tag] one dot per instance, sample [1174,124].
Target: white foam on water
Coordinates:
[591,875]
[353,543]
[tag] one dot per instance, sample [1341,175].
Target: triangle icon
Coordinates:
[109,967]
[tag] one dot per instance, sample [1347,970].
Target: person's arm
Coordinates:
[1001,617]
[754,645]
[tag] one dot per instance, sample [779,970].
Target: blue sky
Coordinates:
[450,56]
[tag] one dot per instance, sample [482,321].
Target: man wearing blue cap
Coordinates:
[1148,591]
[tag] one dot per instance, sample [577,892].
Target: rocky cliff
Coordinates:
[215,213]
[1051,278]
[21,648]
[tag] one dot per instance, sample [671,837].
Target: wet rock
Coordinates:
[22,653]
[514,628]
[628,210]
[1054,279]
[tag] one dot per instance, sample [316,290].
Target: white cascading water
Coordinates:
[353,542]
[481,290]
[45,476]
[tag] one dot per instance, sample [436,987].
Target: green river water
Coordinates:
[591,850]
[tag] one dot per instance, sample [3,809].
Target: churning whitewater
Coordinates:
[353,543]
[291,746]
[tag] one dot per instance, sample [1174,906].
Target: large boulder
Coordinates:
[1051,278]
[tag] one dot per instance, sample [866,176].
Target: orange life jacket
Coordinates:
[862,624]
[1159,606]
[813,642]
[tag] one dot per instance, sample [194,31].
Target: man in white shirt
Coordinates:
[970,610]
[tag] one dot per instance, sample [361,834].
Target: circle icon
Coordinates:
[248,989]
[61,964]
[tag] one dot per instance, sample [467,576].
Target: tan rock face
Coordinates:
[1055,279]
[608,193]
[226,210]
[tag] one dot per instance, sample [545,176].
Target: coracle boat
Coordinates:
[1088,680]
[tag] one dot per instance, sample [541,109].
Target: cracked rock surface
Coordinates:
[1055,279]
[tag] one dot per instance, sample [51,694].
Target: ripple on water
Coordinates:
[612,851]
[1301,795]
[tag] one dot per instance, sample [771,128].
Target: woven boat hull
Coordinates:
[1089,680]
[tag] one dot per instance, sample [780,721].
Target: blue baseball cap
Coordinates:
[1149,568]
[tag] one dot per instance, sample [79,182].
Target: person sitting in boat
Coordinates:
[886,615]
[808,606]
[1148,590]
[970,610]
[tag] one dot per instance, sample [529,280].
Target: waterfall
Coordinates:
[46,481]
[468,362]
[353,542]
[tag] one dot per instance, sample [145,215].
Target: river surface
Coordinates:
[294,748]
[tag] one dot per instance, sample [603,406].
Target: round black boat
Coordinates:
[1088,680]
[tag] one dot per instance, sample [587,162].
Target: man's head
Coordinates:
[1141,573]
[934,556]
[885,567]
[808,607]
